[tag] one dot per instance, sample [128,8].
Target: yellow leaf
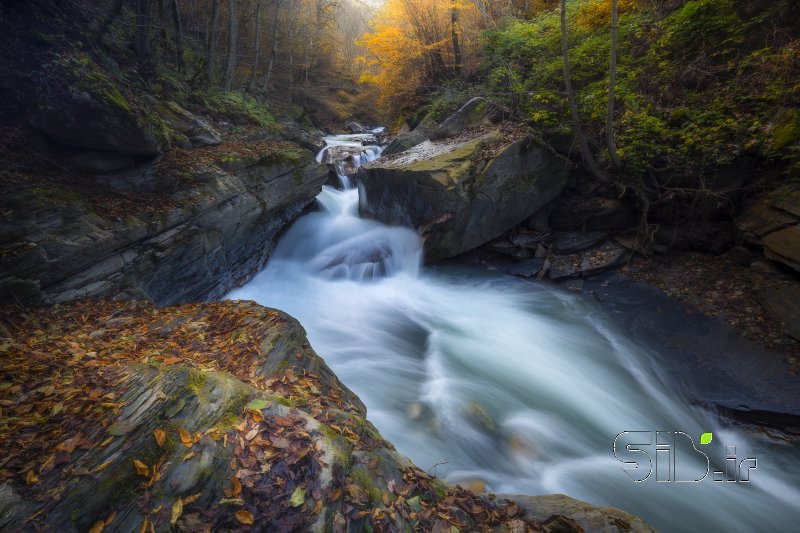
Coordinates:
[102,467]
[191,499]
[244,517]
[31,478]
[177,510]
[141,468]
[186,438]
[159,436]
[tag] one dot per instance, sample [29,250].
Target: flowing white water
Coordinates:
[517,384]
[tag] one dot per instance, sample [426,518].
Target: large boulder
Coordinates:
[409,139]
[773,221]
[197,130]
[586,516]
[473,114]
[461,194]
[784,246]
[81,106]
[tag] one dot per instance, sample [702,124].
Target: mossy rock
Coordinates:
[79,104]
[461,194]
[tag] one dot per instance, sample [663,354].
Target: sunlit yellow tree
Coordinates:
[417,43]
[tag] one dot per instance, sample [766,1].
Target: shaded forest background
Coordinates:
[697,85]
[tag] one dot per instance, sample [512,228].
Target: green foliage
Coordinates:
[702,26]
[697,84]
[236,106]
[79,69]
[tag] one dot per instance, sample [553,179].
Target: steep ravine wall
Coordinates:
[218,227]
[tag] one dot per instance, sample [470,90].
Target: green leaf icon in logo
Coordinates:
[705,438]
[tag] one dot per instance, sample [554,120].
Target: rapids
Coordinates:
[523,386]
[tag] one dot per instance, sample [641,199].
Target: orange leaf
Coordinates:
[159,436]
[191,499]
[244,517]
[98,527]
[186,438]
[141,468]
[237,487]
[102,467]
[172,360]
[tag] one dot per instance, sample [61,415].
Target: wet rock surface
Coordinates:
[706,358]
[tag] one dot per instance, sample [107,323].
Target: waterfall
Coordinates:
[520,385]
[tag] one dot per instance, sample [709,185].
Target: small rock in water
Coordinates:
[479,416]
[414,411]
[474,485]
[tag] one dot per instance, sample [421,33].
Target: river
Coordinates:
[524,386]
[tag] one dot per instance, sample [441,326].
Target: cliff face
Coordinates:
[124,417]
[186,227]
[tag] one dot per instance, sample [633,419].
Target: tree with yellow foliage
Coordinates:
[417,43]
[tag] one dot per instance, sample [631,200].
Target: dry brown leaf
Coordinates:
[160,436]
[145,524]
[98,527]
[237,487]
[141,468]
[244,517]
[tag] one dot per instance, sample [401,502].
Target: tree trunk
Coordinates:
[233,37]
[257,53]
[588,158]
[176,22]
[455,31]
[116,8]
[273,56]
[612,80]
[143,29]
[211,44]
[484,11]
